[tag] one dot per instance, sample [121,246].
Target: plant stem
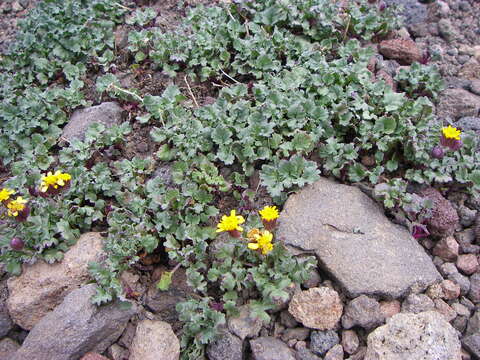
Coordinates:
[190,91]
[137,97]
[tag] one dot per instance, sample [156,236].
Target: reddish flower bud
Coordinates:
[17,244]
[437,152]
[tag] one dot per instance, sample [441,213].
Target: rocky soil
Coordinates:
[378,294]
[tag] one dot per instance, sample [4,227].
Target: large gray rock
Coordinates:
[43,286]
[425,336]
[108,114]
[458,103]
[354,241]
[154,340]
[74,328]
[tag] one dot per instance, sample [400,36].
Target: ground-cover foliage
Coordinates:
[296,100]
[42,78]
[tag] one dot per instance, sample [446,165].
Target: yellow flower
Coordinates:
[231,222]
[54,180]
[261,241]
[15,206]
[5,194]
[269,213]
[62,178]
[450,132]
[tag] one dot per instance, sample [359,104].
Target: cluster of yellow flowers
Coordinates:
[14,207]
[260,240]
[18,208]
[53,181]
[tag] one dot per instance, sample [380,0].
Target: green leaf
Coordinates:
[392,100]
[475,177]
[165,281]
[385,125]
[222,135]
[158,135]
[391,165]
[357,172]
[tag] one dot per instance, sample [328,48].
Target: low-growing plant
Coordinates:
[246,264]
[418,80]
[296,100]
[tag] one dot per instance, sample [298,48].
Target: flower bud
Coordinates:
[437,152]
[382,6]
[17,244]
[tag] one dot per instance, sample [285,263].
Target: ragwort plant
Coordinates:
[296,99]
[300,90]
[41,79]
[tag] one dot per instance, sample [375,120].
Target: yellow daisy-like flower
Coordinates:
[261,241]
[16,206]
[269,213]
[5,194]
[450,132]
[54,180]
[231,222]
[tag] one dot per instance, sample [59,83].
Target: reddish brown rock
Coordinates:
[450,290]
[335,353]
[404,51]
[446,248]
[446,310]
[390,308]
[317,308]
[444,217]
[467,263]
